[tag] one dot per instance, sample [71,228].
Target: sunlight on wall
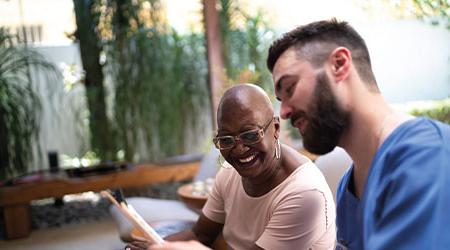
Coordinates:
[283,14]
[56,17]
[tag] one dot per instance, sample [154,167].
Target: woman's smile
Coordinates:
[247,161]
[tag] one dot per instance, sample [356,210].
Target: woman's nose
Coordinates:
[240,148]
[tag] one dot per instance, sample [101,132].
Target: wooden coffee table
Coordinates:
[193,201]
[15,200]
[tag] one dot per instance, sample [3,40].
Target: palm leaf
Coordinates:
[20,106]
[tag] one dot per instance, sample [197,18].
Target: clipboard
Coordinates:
[118,200]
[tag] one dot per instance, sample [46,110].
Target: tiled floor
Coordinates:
[82,223]
[93,235]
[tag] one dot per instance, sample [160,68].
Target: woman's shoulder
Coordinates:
[292,159]
[307,177]
[306,184]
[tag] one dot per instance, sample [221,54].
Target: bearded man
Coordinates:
[394,196]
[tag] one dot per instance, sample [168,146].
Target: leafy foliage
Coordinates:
[20,106]
[245,39]
[435,12]
[159,77]
[440,110]
[159,81]
[160,88]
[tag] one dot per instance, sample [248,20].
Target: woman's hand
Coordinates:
[143,244]
[138,243]
[179,245]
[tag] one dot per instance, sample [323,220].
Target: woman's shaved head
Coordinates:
[244,99]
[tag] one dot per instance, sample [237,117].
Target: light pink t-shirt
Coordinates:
[297,214]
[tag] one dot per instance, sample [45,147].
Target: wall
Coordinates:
[411,59]
[64,116]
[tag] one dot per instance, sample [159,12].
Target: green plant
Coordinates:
[20,105]
[438,110]
[159,77]
[160,88]
[245,39]
[435,12]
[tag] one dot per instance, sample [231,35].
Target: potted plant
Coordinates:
[20,105]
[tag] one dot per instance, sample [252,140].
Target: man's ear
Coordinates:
[340,60]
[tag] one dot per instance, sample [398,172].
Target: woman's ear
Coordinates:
[276,121]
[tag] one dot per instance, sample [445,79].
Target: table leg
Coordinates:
[17,221]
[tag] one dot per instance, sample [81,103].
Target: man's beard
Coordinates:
[327,120]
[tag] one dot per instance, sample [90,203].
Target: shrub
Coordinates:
[438,110]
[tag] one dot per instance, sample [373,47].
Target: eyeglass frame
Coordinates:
[261,133]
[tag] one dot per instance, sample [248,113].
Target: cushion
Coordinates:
[208,166]
[333,166]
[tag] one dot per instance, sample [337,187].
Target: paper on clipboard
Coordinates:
[135,218]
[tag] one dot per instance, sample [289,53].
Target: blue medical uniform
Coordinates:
[406,200]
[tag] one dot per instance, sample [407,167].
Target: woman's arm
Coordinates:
[179,245]
[206,230]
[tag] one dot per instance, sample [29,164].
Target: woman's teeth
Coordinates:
[248,159]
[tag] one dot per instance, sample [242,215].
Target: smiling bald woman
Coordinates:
[272,197]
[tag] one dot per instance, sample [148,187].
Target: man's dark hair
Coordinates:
[315,41]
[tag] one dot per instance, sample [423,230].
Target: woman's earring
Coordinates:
[278,149]
[223,163]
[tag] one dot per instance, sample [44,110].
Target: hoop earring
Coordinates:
[278,149]
[223,163]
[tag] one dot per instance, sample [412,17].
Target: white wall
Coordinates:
[410,59]
[64,118]
[56,17]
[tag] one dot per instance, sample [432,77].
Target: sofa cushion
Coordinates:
[333,166]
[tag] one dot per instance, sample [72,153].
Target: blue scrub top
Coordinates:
[348,220]
[406,200]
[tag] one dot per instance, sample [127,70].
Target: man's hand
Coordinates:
[179,245]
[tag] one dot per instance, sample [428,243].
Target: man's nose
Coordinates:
[285,111]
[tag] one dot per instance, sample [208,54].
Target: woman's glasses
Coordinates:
[249,137]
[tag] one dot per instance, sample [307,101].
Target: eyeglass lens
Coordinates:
[247,137]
